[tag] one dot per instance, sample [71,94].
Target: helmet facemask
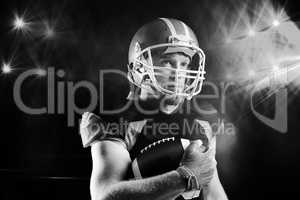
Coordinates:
[181,82]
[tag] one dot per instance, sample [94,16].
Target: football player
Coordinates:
[166,67]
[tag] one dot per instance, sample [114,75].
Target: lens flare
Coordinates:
[276,23]
[21,24]
[6,68]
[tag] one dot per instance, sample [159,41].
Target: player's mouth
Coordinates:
[173,87]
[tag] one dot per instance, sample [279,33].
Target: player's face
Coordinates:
[165,76]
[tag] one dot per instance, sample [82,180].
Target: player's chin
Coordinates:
[173,100]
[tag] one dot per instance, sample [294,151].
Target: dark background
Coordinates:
[42,158]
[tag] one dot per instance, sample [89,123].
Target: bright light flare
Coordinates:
[21,24]
[49,30]
[49,33]
[278,16]
[276,23]
[251,33]
[6,68]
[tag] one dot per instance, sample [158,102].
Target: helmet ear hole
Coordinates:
[130,66]
[145,55]
[145,58]
[140,68]
[146,77]
[136,67]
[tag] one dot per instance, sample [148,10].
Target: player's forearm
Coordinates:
[214,190]
[214,195]
[161,187]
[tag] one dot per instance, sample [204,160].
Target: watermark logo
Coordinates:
[59,103]
[276,83]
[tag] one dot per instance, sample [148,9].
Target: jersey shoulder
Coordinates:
[93,128]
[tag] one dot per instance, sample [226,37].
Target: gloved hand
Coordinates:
[200,163]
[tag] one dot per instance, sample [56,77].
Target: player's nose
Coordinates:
[175,67]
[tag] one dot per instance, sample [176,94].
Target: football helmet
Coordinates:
[164,36]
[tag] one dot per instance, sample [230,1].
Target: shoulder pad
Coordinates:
[91,128]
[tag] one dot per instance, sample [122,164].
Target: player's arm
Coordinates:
[214,190]
[110,162]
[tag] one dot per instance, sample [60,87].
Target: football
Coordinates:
[159,157]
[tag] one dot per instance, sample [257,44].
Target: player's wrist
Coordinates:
[191,182]
[182,183]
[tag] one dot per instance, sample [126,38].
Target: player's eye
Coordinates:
[166,63]
[184,65]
